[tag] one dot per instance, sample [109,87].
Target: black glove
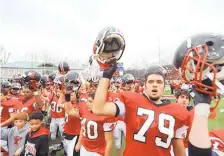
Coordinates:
[199,97]
[67,97]
[43,85]
[110,71]
[44,113]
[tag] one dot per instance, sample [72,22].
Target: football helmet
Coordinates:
[128,78]
[15,89]
[155,69]
[6,84]
[109,45]
[44,79]
[31,79]
[201,61]
[16,86]
[63,68]
[72,81]
[51,77]
[119,80]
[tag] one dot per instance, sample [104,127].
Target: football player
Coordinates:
[6,108]
[96,134]
[217,139]
[7,85]
[129,82]
[183,97]
[33,101]
[200,58]
[152,124]
[72,125]
[32,97]
[57,114]
[15,91]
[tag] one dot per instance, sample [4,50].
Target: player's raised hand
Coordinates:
[108,73]
[199,97]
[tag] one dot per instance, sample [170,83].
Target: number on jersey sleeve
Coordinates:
[163,118]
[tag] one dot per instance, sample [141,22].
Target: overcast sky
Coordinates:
[69,27]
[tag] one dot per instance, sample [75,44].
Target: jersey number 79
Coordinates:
[168,131]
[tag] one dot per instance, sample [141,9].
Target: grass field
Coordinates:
[218,122]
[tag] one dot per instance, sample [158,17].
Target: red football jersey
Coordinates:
[190,120]
[111,97]
[217,139]
[72,124]
[150,127]
[9,106]
[30,106]
[93,128]
[56,111]
[83,96]
[118,91]
[5,112]
[15,104]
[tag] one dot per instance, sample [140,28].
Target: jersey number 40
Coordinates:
[89,129]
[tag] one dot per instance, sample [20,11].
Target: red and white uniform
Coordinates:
[93,129]
[5,112]
[120,128]
[72,129]
[55,110]
[9,106]
[30,105]
[217,139]
[189,124]
[57,116]
[150,127]
[83,96]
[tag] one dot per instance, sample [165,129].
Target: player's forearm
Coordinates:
[39,102]
[22,116]
[200,138]
[100,96]
[178,147]
[80,137]
[70,110]
[7,122]
[108,150]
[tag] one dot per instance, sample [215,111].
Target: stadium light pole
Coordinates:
[159,49]
[7,58]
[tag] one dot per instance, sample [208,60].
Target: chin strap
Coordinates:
[213,112]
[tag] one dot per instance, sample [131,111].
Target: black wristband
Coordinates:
[196,151]
[117,110]
[107,75]
[67,97]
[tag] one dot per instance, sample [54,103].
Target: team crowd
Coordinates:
[94,112]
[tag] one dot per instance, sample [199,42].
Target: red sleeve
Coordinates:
[15,104]
[119,97]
